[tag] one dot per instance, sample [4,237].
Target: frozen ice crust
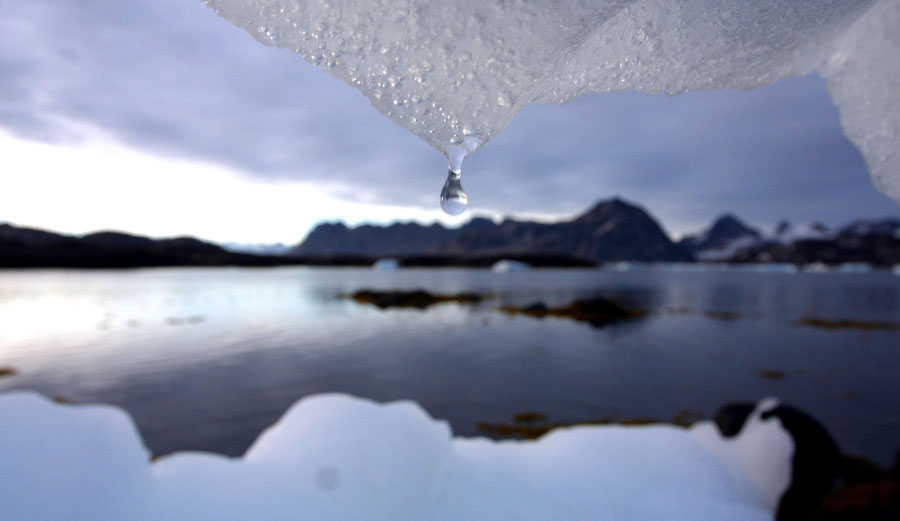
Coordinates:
[447,70]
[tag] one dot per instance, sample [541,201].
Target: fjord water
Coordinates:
[207,358]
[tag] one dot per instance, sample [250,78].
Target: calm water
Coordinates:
[207,358]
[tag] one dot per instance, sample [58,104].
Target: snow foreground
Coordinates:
[447,70]
[335,457]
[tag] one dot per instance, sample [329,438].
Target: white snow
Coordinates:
[789,233]
[447,70]
[729,249]
[770,472]
[335,457]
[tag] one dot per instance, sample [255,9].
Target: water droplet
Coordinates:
[453,198]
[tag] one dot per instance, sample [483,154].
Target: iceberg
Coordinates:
[510,266]
[336,457]
[457,72]
[386,265]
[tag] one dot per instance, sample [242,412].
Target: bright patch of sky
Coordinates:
[100,184]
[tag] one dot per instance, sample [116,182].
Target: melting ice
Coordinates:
[339,458]
[453,198]
[445,70]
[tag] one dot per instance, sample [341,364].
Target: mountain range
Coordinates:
[22,247]
[615,230]
[612,230]
[728,239]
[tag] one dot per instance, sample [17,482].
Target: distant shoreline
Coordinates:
[241,260]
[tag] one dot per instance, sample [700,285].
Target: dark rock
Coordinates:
[529,417]
[771,374]
[878,501]
[895,471]
[815,463]
[855,470]
[599,309]
[537,308]
[598,312]
[859,325]
[418,299]
[730,418]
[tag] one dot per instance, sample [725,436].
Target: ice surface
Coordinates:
[445,70]
[770,472]
[335,457]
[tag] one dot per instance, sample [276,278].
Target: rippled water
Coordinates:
[207,358]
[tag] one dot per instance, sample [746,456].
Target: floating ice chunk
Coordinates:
[386,265]
[446,70]
[510,266]
[335,457]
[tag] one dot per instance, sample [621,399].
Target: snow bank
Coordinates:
[445,70]
[334,457]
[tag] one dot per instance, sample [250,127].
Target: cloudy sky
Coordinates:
[158,117]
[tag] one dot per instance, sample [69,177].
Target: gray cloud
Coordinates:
[170,77]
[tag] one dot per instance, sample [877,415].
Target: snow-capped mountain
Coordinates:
[875,242]
[888,226]
[726,236]
[786,232]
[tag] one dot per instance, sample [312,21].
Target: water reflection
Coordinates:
[207,358]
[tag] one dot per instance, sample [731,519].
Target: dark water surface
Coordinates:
[207,358]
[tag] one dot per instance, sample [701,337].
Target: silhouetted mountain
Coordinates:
[31,248]
[375,241]
[888,226]
[726,235]
[611,231]
[396,240]
[117,240]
